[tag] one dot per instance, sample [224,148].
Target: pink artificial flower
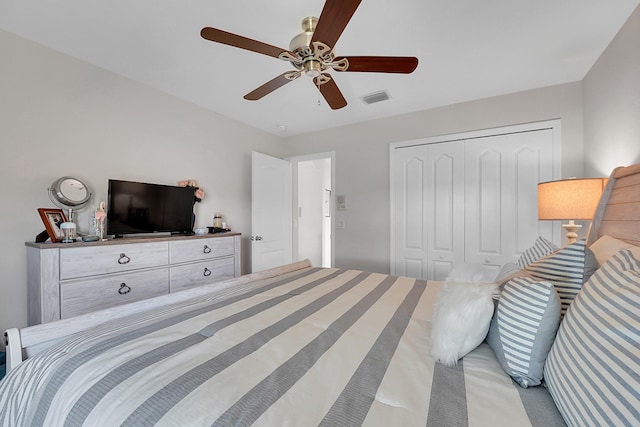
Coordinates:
[198,192]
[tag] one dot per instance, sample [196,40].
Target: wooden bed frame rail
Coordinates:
[26,342]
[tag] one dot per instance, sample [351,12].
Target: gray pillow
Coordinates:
[523,328]
[541,248]
[510,271]
[567,269]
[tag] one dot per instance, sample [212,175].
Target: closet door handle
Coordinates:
[206,272]
[124,289]
[206,249]
[124,259]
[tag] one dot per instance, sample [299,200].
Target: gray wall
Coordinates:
[60,116]
[362,158]
[611,92]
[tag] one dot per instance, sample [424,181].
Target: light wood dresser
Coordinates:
[69,279]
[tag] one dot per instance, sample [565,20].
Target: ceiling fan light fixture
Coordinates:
[312,68]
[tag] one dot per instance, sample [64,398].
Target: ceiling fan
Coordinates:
[311,53]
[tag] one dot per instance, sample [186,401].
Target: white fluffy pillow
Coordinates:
[462,315]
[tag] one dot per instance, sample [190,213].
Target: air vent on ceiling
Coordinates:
[374,97]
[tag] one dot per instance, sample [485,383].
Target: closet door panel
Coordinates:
[485,202]
[410,194]
[502,195]
[414,171]
[532,163]
[428,210]
[445,201]
[484,213]
[468,200]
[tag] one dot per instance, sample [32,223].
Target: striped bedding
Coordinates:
[318,346]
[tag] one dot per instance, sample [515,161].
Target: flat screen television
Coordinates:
[143,208]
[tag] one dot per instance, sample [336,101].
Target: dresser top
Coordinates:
[127,240]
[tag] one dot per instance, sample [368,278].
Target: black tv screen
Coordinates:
[141,208]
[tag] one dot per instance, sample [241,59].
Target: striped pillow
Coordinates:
[593,369]
[567,269]
[523,328]
[541,248]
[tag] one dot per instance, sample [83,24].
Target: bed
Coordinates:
[299,345]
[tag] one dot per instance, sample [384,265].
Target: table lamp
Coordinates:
[569,199]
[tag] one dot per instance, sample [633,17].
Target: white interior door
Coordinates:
[469,198]
[408,213]
[428,213]
[270,212]
[445,209]
[502,173]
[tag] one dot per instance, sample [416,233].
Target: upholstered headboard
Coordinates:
[618,213]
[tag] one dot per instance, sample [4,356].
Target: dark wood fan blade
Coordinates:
[335,16]
[220,36]
[270,86]
[380,64]
[331,93]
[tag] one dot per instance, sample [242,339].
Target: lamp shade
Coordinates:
[569,198]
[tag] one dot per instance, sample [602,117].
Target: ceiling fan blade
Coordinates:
[335,16]
[380,64]
[331,93]
[272,85]
[220,36]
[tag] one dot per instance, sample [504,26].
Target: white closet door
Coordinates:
[428,210]
[445,209]
[501,177]
[409,211]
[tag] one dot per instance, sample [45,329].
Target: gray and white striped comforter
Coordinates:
[316,347]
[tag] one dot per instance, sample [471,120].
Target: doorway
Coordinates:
[313,210]
[292,210]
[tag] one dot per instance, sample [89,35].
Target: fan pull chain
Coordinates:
[319,93]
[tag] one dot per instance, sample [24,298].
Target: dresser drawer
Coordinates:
[200,249]
[201,273]
[96,260]
[80,297]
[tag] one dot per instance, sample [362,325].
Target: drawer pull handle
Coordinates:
[206,272]
[124,259]
[207,249]
[124,289]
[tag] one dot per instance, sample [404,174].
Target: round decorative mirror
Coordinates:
[69,193]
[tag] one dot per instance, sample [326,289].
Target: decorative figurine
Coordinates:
[100,217]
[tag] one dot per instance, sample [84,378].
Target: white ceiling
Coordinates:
[467,49]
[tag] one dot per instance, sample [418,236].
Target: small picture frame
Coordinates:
[52,218]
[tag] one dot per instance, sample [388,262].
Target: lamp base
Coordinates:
[572,229]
